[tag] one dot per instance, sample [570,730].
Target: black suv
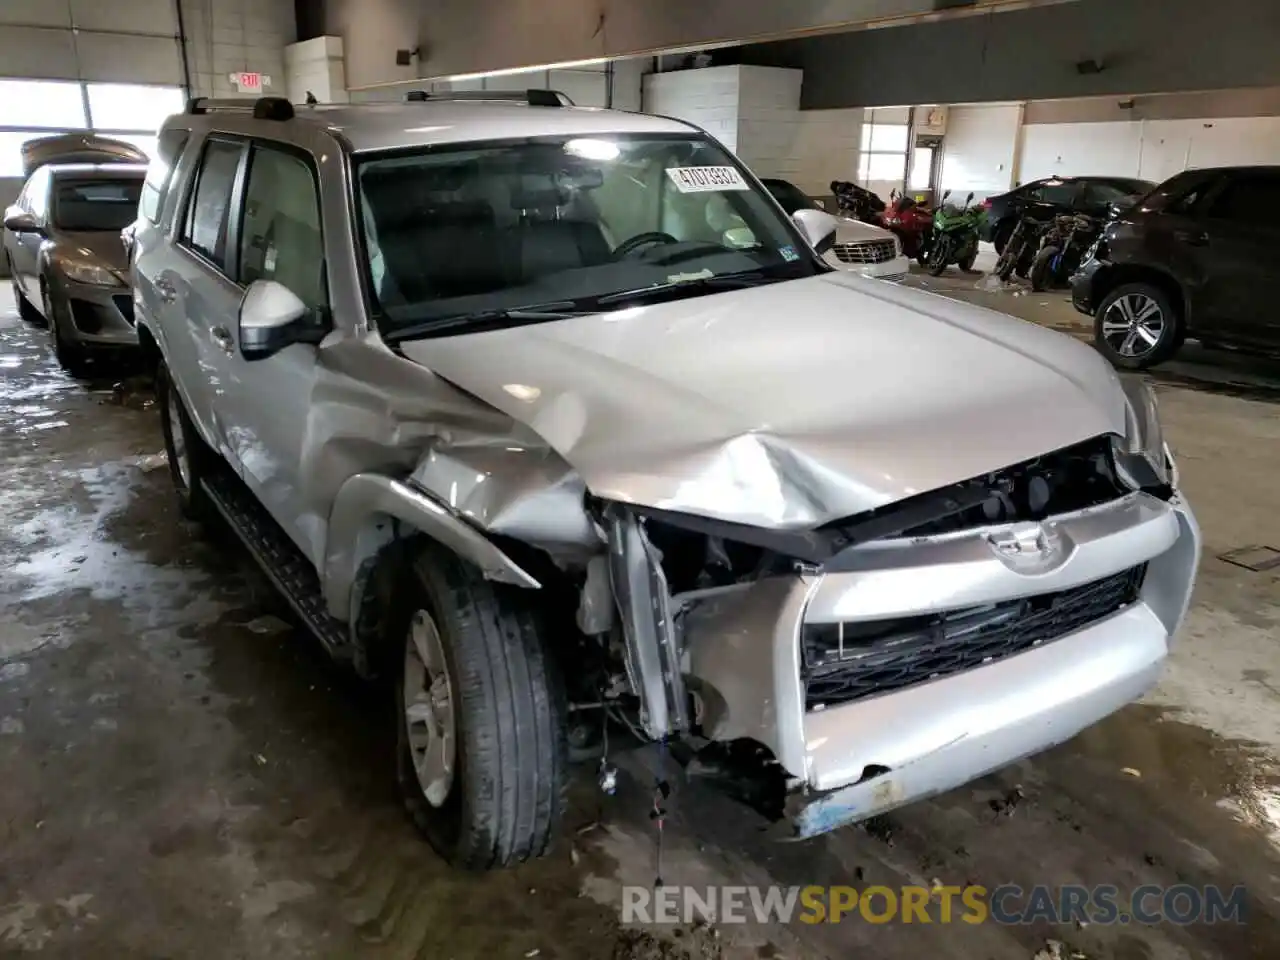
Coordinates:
[1045,199]
[1198,257]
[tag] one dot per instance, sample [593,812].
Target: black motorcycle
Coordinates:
[1065,242]
[1020,249]
[857,202]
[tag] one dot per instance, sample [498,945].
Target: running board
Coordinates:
[279,557]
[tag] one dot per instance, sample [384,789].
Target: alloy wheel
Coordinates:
[1133,325]
[429,710]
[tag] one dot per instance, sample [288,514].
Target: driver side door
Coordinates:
[268,401]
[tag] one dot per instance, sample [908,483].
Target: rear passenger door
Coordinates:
[1237,234]
[199,297]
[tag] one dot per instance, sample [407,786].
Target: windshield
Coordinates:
[562,221]
[95,204]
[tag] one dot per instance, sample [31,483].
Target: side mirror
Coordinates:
[818,227]
[272,317]
[20,222]
[945,194]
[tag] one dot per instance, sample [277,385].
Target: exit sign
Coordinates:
[250,82]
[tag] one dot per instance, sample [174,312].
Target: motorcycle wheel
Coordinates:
[966,265]
[939,258]
[1007,262]
[1041,273]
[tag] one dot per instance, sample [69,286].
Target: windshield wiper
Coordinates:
[478,321]
[724,281]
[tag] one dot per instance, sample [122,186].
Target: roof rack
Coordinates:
[263,108]
[533,97]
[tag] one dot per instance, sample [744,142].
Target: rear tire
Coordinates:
[1006,264]
[26,309]
[1040,269]
[1000,237]
[190,459]
[1129,319]
[484,768]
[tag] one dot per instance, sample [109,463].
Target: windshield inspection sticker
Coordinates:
[789,253]
[706,179]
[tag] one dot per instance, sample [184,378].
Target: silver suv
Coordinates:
[549,415]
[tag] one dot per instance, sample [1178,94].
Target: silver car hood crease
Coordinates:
[787,406]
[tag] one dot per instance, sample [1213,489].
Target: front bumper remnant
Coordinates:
[860,758]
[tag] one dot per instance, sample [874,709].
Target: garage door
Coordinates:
[65,65]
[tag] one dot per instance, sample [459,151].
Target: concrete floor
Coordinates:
[183,775]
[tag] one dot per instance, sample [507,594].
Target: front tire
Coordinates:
[71,357]
[939,258]
[482,753]
[190,460]
[1041,269]
[1137,326]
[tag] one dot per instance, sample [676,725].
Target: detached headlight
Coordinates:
[92,273]
[1143,457]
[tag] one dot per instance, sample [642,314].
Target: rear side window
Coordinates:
[1057,193]
[1253,200]
[209,212]
[168,149]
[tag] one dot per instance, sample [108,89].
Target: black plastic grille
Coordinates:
[881,656]
[124,303]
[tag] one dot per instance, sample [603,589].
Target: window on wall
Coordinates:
[884,147]
[29,109]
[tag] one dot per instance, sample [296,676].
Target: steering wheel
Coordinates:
[627,247]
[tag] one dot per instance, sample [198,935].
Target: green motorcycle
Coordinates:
[955,235]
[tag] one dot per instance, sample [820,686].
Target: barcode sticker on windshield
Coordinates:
[706,179]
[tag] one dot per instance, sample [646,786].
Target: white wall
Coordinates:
[1151,149]
[315,67]
[979,149]
[755,111]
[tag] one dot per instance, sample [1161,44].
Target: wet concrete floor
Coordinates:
[182,774]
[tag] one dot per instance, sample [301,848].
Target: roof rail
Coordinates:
[263,108]
[533,97]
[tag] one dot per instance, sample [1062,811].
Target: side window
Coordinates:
[209,211]
[280,236]
[1253,200]
[38,194]
[1099,193]
[168,149]
[1057,193]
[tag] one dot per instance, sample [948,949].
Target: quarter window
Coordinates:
[1250,200]
[208,214]
[280,238]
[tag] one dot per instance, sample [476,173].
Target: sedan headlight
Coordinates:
[82,271]
[1143,457]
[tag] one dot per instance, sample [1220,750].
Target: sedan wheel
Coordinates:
[428,710]
[1136,326]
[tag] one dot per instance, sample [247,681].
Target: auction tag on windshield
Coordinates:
[706,179]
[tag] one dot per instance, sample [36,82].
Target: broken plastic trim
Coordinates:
[652,645]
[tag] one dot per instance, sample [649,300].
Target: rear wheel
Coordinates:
[1042,269]
[26,309]
[1000,237]
[190,460]
[482,749]
[1137,326]
[1007,263]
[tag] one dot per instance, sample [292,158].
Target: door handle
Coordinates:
[1193,238]
[166,291]
[222,337]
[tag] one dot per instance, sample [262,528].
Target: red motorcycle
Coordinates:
[912,222]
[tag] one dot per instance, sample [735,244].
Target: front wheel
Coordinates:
[939,258]
[1137,326]
[1042,269]
[970,258]
[71,357]
[482,752]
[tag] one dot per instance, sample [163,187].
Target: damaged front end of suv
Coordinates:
[833,670]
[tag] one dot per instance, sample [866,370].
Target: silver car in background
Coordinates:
[66,258]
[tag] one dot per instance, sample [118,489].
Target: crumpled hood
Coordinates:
[790,405]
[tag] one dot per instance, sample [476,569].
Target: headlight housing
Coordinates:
[1142,456]
[83,271]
